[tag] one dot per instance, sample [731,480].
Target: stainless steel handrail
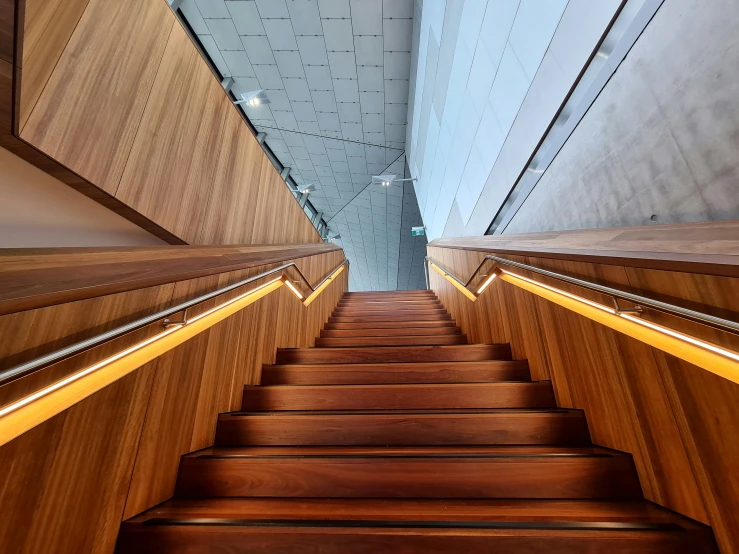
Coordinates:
[640,301]
[13,373]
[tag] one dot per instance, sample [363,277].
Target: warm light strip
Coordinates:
[292,288]
[464,290]
[322,286]
[706,355]
[28,412]
[486,283]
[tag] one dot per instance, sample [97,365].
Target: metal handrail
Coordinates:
[21,370]
[640,301]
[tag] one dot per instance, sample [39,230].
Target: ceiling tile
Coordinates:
[305,17]
[320,160]
[366,17]
[397,65]
[246,17]
[224,33]
[349,112]
[342,65]
[334,8]
[397,34]
[315,145]
[352,131]
[374,123]
[319,77]
[353,149]
[372,102]
[368,50]
[346,90]
[312,50]
[328,121]
[280,34]
[289,63]
[259,50]
[338,35]
[394,133]
[396,113]
[213,8]
[238,63]
[269,76]
[397,8]
[297,89]
[278,99]
[396,91]
[309,127]
[370,78]
[272,8]
[285,120]
[374,138]
[336,156]
[292,139]
[324,101]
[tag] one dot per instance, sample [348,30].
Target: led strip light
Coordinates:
[706,355]
[32,410]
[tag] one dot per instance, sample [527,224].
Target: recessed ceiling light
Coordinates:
[306,189]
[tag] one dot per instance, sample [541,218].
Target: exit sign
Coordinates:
[417,231]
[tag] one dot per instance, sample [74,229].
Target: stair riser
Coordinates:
[408,397]
[563,428]
[389,325]
[402,332]
[392,374]
[573,478]
[287,540]
[471,353]
[391,305]
[389,317]
[391,341]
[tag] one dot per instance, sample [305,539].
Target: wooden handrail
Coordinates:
[709,248]
[35,278]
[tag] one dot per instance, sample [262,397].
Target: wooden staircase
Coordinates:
[394,435]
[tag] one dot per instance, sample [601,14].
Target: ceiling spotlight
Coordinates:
[332,238]
[306,189]
[387,180]
[253,98]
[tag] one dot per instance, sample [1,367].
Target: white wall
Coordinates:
[37,210]
[489,79]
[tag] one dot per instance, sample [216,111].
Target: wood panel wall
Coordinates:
[69,482]
[679,421]
[118,95]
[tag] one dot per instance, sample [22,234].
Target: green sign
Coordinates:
[417,231]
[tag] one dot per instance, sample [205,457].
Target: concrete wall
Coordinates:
[37,210]
[661,142]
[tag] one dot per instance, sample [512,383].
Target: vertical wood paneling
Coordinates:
[68,483]
[87,116]
[47,27]
[65,482]
[676,419]
[170,173]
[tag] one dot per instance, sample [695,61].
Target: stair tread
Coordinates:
[505,451]
[406,412]
[415,509]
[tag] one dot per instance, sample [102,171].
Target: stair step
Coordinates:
[512,472]
[404,427]
[390,325]
[391,341]
[399,294]
[431,526]
[368,310]
[389,305]
[408,397]
[403,331]
[366,354]
[398,373]
[393,316]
